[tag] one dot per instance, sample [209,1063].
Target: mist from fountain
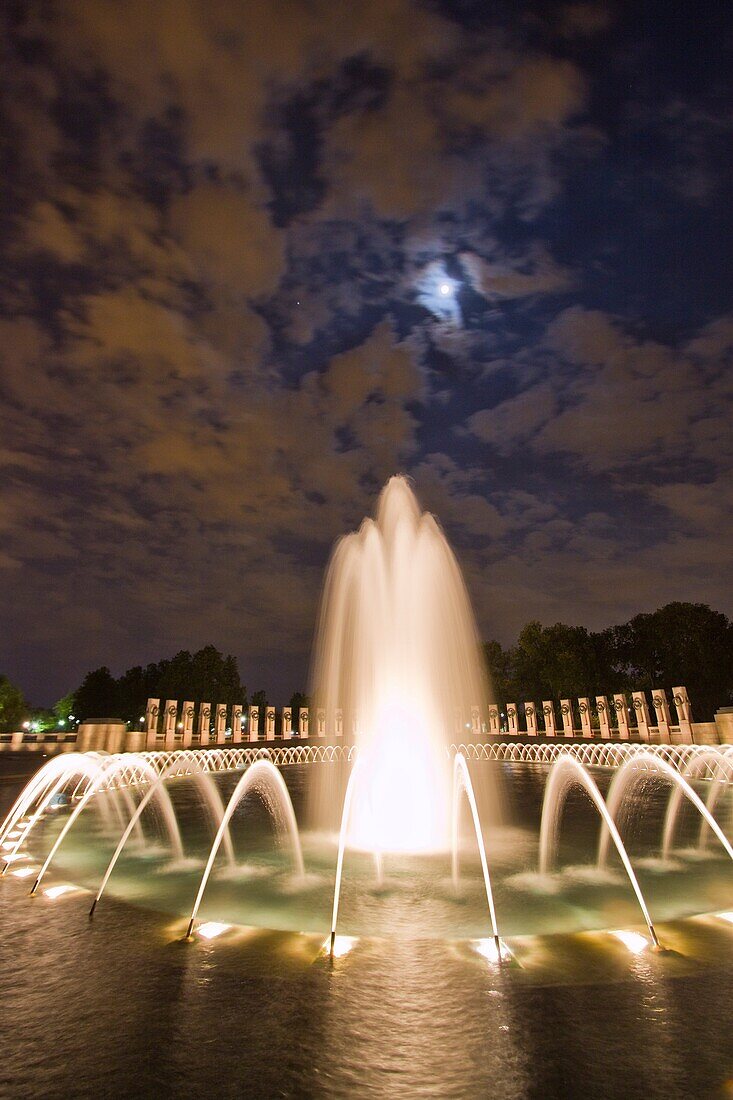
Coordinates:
[187,764]
[264,778]
[720,772]
[566,773]
[107,772]
[637,770]
[397,651]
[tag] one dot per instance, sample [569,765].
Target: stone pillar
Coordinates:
[549,712]
[622,716]
[723,725]
[494,726]
[661,707]
[220,724]
[684,713]
[475,722]
[169,723]
[287,722]
[566,710]
[585,726]
[511,717]
[151,723]
[320,722]
[303,722]
[204,718]
[642,714]
[187,716]
[338,723]
[531,718]
[237,724]
[603,717]
[269,723]
[254,723]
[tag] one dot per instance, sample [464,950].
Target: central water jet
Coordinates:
[397,654]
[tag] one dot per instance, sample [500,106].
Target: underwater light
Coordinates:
[14,857]
[212,928]
[8,846]
[632,941]
[57,891]
[728,916]
[445,290]
[24,872]
[341,945]
[488,950]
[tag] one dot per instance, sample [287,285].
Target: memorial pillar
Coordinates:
[204,719]
[237,724]
[169,724]
[603,719]
[151,723]
[220,725]
[684,713]
[187,717]
[642,714]
[585,726]
[661,707]
[622,716]
[269,723]
[566,710]
[287,723]
[531,718]
[303,722]
[548,710]
[494,719]
[254,723]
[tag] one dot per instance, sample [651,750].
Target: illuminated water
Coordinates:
[397,664]
[120,1006]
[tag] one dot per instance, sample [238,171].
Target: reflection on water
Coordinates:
[121,1007]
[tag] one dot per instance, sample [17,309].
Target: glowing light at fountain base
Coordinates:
[211,929]
[489,950]
[632,941]
[58,891]
[338,946]
[402,797]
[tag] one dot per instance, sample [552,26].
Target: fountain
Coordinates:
[397,650]
[370,831]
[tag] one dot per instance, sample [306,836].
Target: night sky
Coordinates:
[257,257]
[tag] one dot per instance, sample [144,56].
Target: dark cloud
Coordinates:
[219,331]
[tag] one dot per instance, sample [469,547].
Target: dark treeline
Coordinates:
[681,644]
[203,676]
